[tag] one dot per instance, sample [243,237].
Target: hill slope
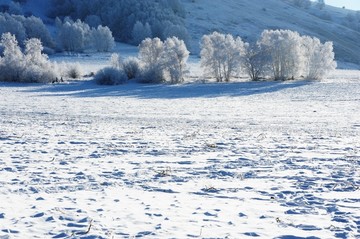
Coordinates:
[249,18]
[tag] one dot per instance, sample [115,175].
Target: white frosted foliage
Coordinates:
[221,55]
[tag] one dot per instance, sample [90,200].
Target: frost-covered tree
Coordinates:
[319,58]
[102,39]
[38,67]
[140,32]
[25,28]
[174,58]
[78,36]
[12,63]
[221,55]
[150,55]
[73,36]
[33,52]
[35,28]
[256,62]
[161,60]
[176,31]
[150,51]
[116,61]
[33,66]
[285,51]
[293,56]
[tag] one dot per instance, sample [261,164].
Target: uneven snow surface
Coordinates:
[238,160]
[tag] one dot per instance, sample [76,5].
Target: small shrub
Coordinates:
[131,67]
[110,76]
[37,74]
[73,71]
[151,75]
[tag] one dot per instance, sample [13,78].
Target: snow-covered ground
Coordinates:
[237,160]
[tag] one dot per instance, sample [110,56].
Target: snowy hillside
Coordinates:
[249,18]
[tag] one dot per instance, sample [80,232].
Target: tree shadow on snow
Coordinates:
[85,89]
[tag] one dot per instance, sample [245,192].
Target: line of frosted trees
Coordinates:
[130,21]
[277,55]
[72,36]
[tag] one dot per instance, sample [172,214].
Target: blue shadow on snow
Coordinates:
[164,91]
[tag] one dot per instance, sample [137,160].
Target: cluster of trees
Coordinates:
[30,65]
[130,21]
[78,36]
[158,61]
[25,27]
[278,54]
[294,56]
[11,7]
[71,36]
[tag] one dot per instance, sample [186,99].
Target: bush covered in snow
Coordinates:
[71,71]
[30,66]
[131,66]
[110,76]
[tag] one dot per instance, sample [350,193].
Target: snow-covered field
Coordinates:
[237,160]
